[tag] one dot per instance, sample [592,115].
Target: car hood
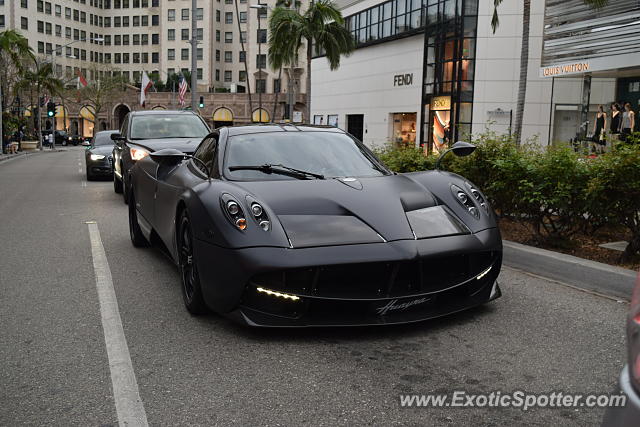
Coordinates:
[343,210]
[186,145]
[105,150]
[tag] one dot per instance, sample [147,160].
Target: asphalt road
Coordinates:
[539,337]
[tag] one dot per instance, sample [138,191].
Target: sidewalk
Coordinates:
[7,157]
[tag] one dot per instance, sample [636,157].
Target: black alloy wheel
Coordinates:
[191,290]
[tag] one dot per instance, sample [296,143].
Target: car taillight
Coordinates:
[633,336]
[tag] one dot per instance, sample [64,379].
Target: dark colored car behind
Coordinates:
[99,156]
[144,132]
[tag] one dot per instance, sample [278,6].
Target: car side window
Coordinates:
[206,152]
[125,126]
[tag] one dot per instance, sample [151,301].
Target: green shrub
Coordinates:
[405,159]
[614,190]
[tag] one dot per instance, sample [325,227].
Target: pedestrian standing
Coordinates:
[628,122]
[51,140]
[616,121]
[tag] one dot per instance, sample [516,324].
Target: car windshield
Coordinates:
[159,126]
[103,138]
[324,153]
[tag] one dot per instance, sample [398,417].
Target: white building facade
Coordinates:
[432,71]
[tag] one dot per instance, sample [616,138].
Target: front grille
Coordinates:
[380,279]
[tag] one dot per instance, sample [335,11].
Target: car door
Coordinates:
[171,184]
[118,149]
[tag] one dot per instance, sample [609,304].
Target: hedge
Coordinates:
[554,190]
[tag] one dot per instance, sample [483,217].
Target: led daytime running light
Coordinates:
[484,273]
[278,294]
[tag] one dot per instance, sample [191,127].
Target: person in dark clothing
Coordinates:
[599,127]
[616,119]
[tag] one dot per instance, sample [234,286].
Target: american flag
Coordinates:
[182,90]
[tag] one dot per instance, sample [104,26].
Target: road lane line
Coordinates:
[83,183]
[129,406]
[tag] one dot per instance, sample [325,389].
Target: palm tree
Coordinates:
[321,25]
[524,54]
[41,77]
[14,52]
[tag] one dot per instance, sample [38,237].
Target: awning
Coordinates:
[222,115]
[87,113]
[260,115]
[60,112]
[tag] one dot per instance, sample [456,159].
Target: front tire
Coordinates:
[191,289]
[137,238]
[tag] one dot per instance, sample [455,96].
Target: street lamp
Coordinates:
[259,6]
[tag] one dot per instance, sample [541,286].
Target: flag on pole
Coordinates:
[81,78]
[182,90]
[144,87]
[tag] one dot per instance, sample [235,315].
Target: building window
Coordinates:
[276,85]
[261,36]
[171,54]
[155,58]
[136,58]
[185,14]
[184,54]
[125,40]
[155,38]
[199,34]
[136,21]
[136,39]
[171,34]
[185,34]
[243,17]
[40,6]
[67,32]
[117,21]
[242,56]
[199,73]
[199,54]
[228,56]
[262,13]
[40,45]
[125,21]
[155,20]
[107,40]
[117,58]
[145,39]
[58,10]
[40,26]
[107,22]
[217,35]
[243,36]
[218,55]
[24,23]
[199,14]
[125,58]
[47,8]
[24,4]
[261,61]
[242,76]
[228,76]
[145,20]
[217,75]
[228,18]
[117,40]
[171,15]
[261,86]
[228,37]
[58,30]
[67,12]
[217,16]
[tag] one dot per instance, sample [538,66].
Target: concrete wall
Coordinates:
[364,84]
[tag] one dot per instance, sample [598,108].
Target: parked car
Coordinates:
[144,132]
[75,139]
[99,155]
[629,382]
[303,226]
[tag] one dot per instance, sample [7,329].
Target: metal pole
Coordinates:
[1,123]
[259,70]
[194,48]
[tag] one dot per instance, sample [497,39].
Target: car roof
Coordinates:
[277,127]
[106,132]
[160,112]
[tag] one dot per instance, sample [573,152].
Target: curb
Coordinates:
[9,158]
[579,272]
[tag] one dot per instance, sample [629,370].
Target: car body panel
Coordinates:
[325,227]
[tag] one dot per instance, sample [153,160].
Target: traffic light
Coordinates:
[201,105]
[51,109]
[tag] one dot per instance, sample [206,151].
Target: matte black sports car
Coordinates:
[98,157]
[143,132]
[282,225]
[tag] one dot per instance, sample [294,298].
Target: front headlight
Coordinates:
[95,157]
[138,154]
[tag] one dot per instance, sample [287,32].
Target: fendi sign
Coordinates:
[403,79]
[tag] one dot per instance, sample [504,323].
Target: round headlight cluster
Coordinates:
[465,201]
[478,196]
[233,210]
[259,214]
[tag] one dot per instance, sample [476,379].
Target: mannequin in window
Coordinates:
[628,122]
[599,125]
[616,119]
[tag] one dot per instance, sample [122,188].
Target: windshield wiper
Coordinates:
[278,169]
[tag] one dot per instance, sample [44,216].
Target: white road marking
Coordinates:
[80,170]
[83,183]
[129,406]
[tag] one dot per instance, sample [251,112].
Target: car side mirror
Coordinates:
[86,143]
[171,157]
[117,137]
[460,149]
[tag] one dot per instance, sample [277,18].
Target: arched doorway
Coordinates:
[222,117]
[103,125]
[88,116]
[120,113]
[260,115]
